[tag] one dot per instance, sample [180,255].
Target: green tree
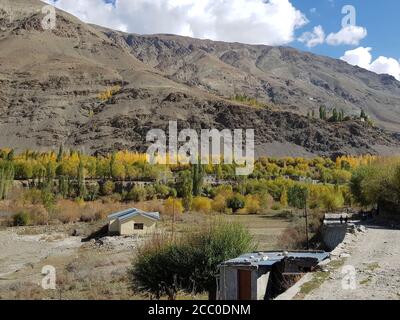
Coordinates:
[297,196]
[197,177]
[81,180]
[184,186]
[236,203]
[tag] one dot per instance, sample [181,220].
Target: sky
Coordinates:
[360,32]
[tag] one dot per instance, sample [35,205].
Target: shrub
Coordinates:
[190,265]
[107,188]
[201,204]
[32,196]
[172,205]
[219,204]
[332,201]
[292,238]
[236,203]
[39,216]
[252,205]
[67,211]
[137,194]
[21,219]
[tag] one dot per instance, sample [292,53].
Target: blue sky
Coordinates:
[371,43]
[380,18]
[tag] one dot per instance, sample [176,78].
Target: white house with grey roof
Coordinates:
[132,222]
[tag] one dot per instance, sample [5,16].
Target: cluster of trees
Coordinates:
[338,115]
[242,98]
[377,183]
[188,264]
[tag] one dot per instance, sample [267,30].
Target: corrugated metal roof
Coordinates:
[120,213]
[270,258]
[129,213]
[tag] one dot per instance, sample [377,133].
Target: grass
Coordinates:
[319,278]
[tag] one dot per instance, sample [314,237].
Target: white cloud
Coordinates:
[362,57]
[271,22]
[350,35]
[314,38]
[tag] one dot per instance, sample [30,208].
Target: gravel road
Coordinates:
[375,255]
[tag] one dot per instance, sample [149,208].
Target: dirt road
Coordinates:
[375,255]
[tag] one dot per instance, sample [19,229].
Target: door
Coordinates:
[244,285]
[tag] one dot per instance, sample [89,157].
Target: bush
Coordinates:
[137,194]
[190,265]
[219,204]
[201,204]
[252,205]
[107,188]
[236,203]
[292,238]
[172,206]
[332,201]
[21,219]
[32,196]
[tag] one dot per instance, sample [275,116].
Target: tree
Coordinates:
[137,194]
[81,180]
[322,112]
[236,203]
[6,179]
[197,177]
[335,115]
[184,186]
[163,267]
[284,198]
[297,196]
[60,154]
[10,156]
[107,188]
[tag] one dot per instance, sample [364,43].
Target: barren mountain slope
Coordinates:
[285,76]
[50,83]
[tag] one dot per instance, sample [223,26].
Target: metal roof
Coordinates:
[129,213]
[271,257]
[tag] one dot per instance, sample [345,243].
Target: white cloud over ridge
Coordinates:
[314,38]
[270,22]
[350,35]
[362,57]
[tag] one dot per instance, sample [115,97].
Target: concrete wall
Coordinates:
[126,228]
[228,286]
[228,283]
[262,283]
[333,235]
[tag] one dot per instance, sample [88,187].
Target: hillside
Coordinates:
[50,83]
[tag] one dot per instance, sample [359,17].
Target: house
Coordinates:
[132,222]
[264,275]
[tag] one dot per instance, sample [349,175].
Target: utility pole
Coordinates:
[306,216]
[173,219]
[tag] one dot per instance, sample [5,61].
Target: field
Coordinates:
[93,270]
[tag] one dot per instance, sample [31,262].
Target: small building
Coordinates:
[132,222]
[264,275]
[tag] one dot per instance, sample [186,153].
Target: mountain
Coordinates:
[294,80]
[51,82]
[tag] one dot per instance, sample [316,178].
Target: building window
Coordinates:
[138,226]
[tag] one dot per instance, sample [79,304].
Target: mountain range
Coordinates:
[52,83]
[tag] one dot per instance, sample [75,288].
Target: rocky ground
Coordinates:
[375,256]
